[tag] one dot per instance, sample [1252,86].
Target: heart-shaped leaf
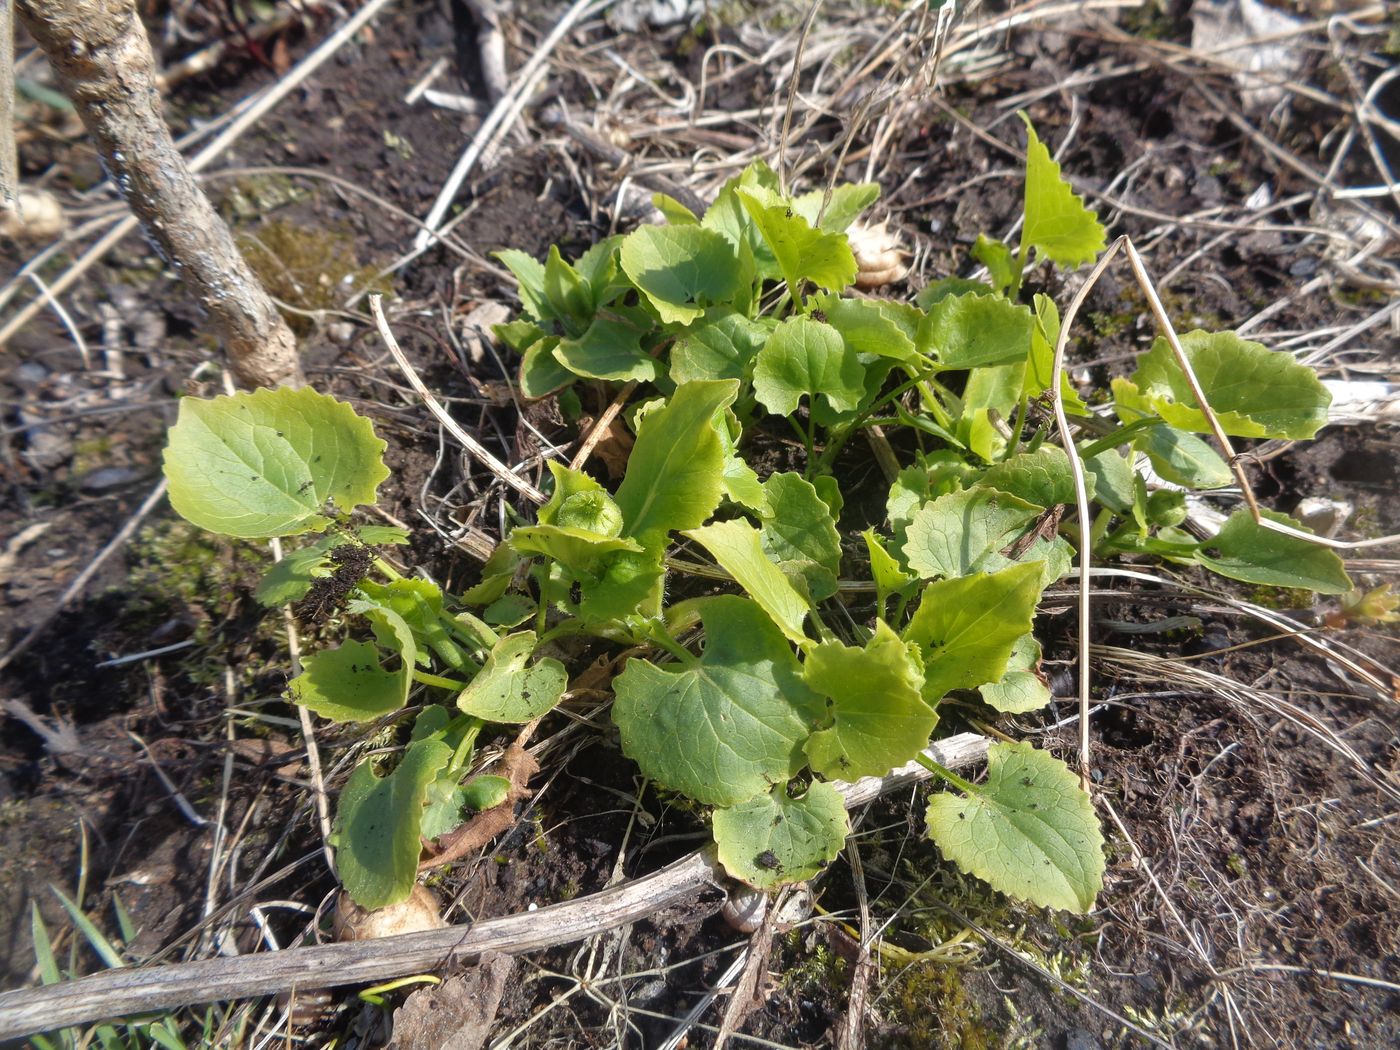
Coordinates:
[877,718]
[378,824]
[728,725]
[774,839]
[967,627]
[1029,830]
[266,462]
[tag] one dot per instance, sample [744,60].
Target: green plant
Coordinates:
[161,1031]
[754,703]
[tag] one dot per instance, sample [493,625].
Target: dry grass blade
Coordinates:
[471,444]
[1159,669]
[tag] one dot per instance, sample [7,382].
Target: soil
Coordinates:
[1254,859]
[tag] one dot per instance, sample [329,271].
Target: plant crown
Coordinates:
[738,325]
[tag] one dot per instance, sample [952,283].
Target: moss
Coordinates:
[935,1010]
[252,197]
[177,572]
[90,454]
[307,269]
[1282,597]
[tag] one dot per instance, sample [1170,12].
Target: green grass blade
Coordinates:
[91,933]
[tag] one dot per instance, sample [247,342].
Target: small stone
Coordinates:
[29,374]
[104,479]
[1324,516]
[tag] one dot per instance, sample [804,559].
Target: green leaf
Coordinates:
[1058,224]
[829,489]
[673,473]
[1244,550]
[265,463]
[872,326]
[442,806]
[419,604]
[741,483]
[802,253]
[950,535]
[999,261]
[727,726]
[738,548]
[885,571]
[579,502]
[1029,830]
[485,792]
[967,627]
[349,683]
[1113,479]
[598,267]
[996,388]
[807,357]
[378,824]
[680,269]
[935,474]
[496,576]
[677,214]
[288,580]
[723,346]
[566,291]
[946,286]
[1056,558]
[843,205]
[1041,365]
[1022,688]
[876,718]
[529,275]
[611,348]
[508,688]
[630,585]
[510,610]
[1166,507]
[728,217]
[578,550]
[798,524]
[773,839]
[1042,477]
[1253,391]
[1183,458]
[541,373]
[95,938]
[968,331]
[381,535]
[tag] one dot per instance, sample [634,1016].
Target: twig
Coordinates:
[600,428]
[1081,502]
[131,990]
[254,110]
[308,729]
[9,155]
[505,111]
[472,445]
[491,45]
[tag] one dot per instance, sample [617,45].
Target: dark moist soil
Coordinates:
[1270,844]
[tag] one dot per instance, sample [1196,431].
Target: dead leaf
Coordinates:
[457,1014]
